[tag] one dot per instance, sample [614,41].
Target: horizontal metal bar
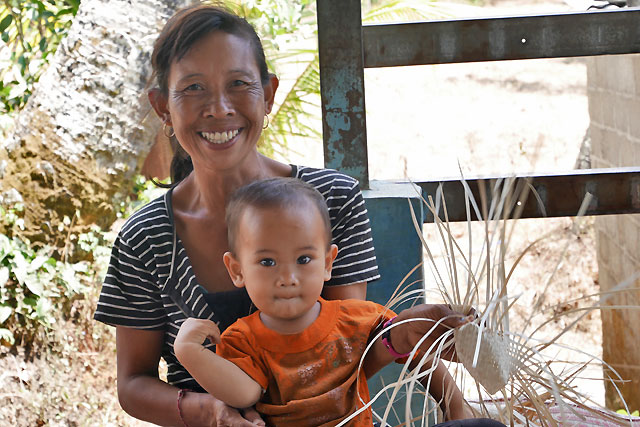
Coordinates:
[494,39]
[614,191]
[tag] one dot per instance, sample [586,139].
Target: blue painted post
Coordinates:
[398,250]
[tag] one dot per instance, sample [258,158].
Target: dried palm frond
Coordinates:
[518,374]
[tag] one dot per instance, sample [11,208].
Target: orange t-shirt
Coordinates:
[310,378]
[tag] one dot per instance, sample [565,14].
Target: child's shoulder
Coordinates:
[359,308]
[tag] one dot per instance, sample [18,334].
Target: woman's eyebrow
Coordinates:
[189,76]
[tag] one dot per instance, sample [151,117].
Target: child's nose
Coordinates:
[288,276]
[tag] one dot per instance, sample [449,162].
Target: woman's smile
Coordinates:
[221,138]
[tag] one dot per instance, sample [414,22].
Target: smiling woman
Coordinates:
[213,92]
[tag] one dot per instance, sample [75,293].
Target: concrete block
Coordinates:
[608,150]
[594,97]
[633,107]
[636,72]
[620,113]
[592,73]
[623,76]
[597,139]
[609,102]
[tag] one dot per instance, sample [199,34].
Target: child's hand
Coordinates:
[404,337]
[194,331]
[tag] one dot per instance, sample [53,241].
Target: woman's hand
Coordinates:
[404,337]
[202,409]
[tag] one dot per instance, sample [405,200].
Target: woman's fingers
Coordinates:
[227,416]
[407,335]
[251,415]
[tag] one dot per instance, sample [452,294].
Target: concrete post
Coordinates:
[398,250]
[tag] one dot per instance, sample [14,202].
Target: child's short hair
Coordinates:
[273,193]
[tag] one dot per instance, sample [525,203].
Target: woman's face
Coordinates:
[216,102]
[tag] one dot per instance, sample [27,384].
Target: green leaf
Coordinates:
[21,266]
[66,12]
[6,335]
[30,302]
[34,284]
[69,277]
[43,44]
[43,308]
[5,312]
[38,262]
[4,276]
[6,21]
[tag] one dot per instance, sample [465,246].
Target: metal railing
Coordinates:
[346,47]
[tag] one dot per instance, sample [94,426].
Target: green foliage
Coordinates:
[36,288]
[31,32]
[143,192]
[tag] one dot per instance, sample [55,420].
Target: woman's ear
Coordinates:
[329,257]
[270,92]
[234,269]
[159,103]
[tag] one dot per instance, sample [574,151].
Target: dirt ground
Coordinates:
[517,116]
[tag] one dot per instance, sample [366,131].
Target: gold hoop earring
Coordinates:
[164,130]
[264,126]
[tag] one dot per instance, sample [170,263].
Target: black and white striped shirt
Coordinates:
[150,283]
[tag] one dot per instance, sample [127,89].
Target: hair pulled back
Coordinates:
[184,29]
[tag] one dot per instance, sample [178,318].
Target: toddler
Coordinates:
[297,357]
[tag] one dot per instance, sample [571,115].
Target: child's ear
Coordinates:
[234,269]
[329,257]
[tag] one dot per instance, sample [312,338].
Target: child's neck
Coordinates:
[291,326]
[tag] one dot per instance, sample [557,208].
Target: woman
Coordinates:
[213,94]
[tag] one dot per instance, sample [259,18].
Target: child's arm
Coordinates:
[218,376]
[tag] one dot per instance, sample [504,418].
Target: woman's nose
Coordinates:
[218,105]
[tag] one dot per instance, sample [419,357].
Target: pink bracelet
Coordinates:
[181,394]
[386,340]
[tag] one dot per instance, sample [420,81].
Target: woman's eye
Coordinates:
[304,259]
[239,83]
[194,86]
[267,262]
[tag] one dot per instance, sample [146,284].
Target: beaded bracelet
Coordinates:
[386,340]
[181,394]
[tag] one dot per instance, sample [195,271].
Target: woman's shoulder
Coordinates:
[151,220]
[324,179]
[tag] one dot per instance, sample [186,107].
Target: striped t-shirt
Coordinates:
[150,283]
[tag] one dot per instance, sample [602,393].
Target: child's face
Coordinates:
[282,258]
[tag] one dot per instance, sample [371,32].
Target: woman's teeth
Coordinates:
[219,137]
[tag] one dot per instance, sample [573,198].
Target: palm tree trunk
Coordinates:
[86,129]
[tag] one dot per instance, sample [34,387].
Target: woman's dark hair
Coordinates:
[282,193]
[184,29]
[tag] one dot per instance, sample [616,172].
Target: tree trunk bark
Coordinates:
[86,129]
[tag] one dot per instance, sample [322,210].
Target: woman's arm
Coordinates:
[218,376]
[144,396]
[352,291]
[444,390]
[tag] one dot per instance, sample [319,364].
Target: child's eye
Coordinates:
[267,262]
[304,259]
